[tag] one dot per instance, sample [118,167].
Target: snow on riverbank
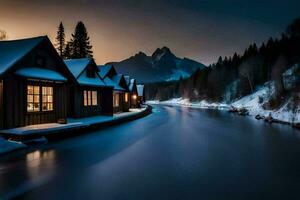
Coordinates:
[200,104]
[7,146]
[253,103]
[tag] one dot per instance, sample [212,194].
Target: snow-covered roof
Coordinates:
[109,82]
[76,66]
[131,84]
[140,90]
[104,70]
[127,79]
[117,80]
[13,50]
[84,80]
[40,73]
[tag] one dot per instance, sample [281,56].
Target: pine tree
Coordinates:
[68,51]
[60,40]
[80,42]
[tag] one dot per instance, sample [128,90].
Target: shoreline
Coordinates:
[230,108]
[24,136]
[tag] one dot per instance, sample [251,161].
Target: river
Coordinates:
[174,153]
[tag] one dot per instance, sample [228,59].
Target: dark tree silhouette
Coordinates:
[294,28]
[67,51]
[60,40]
[80,42]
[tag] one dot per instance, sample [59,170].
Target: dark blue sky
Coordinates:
[202,30]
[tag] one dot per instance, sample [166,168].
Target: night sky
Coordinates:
[201,30]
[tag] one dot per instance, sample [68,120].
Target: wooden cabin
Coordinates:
[33,83]
[90,95]
[121,96]
[132,91]
[140,94]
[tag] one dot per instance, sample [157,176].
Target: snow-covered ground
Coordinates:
[186,102]
[72,123]
[253,103]
[7,146]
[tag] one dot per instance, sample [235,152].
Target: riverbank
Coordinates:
[251,105]
[74,127]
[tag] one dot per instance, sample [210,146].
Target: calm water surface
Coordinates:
[175,153]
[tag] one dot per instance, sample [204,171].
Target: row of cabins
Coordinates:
[37,86]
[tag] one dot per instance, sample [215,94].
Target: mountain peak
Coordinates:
[162,65]
[141,54]
[160,52]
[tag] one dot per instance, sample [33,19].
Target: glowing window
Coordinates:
[116,99]
[90,98]
[126,97]
[33,98]
[47,101]
[94,98]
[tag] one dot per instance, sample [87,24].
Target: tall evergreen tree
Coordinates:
[60,40]
[80,42]
[68,51]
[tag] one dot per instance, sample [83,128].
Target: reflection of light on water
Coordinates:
[39,156]
[38,162]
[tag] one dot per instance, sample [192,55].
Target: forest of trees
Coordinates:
[240,73]
[79,45]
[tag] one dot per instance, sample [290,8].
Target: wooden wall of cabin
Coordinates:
[104,102]
[123,105]
[15,103]
[107,101]
[117,109]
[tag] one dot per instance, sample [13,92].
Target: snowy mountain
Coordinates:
[162,65]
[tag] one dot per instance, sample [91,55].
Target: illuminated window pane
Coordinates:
[85,98]
[44,106]
[126,97]
[36,106]
[88,98]
[29,106]
[50,106]
[47,93]
[50,99]
[116,99]
[33,98]
[29,98]
[36,89]
[29,89]
[50,90]
[36,98]
[94,98]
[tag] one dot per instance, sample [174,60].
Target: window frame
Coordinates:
[33,95]
[88,100]
[118,100]
[51,94]
[39,85]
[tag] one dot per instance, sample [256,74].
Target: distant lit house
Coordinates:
[121,101]
[91,95]
[141,94]
[33,83]
[132,91]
